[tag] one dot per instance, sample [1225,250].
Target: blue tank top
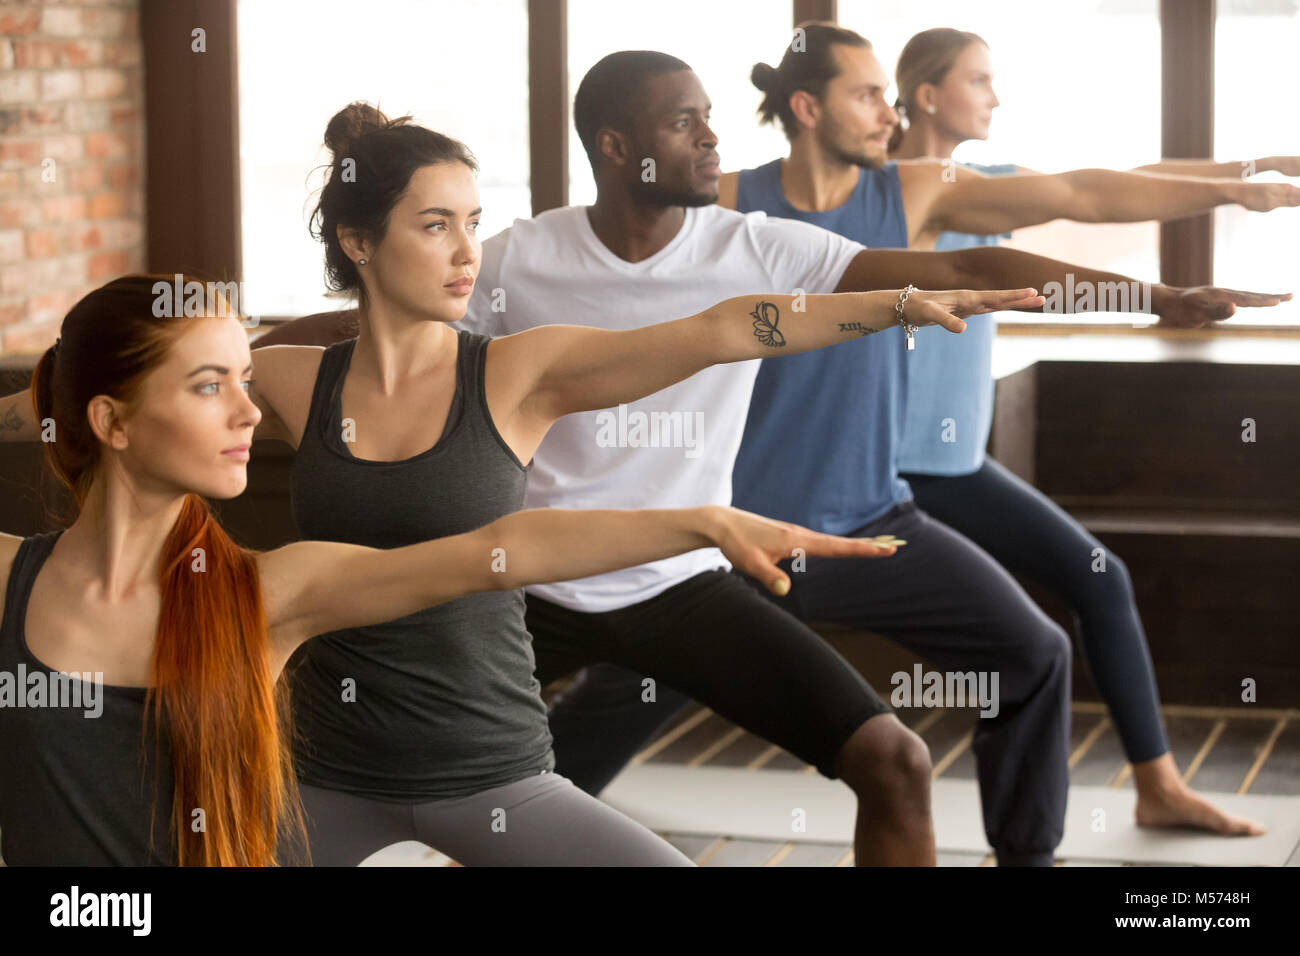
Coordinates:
[821,442]
[950,381]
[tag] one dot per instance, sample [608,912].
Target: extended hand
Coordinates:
[754,544]
[949,307]
[1264,197]
[1201,306]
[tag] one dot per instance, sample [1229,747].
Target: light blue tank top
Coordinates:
[950,382]
[821,441]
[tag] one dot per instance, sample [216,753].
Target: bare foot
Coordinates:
[1183,806]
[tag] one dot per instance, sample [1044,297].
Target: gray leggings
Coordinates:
[541,820]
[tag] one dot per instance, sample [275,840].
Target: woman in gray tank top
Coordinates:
[143,608]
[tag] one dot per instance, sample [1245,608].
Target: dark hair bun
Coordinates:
[350,124]
[763,76]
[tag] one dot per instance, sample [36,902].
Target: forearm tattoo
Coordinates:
[766,317]
[12,422]
[857,327]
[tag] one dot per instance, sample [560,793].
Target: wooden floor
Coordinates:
[1218,750]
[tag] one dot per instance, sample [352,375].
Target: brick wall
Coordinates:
[71,159]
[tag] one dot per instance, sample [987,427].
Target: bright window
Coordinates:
[1255,47]
[458,68]
[1079,86]
[721,41]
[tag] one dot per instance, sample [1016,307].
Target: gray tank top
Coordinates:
[75,790]
[443,702]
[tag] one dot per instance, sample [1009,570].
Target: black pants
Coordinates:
[1030,535]
[714,638]
[940,596]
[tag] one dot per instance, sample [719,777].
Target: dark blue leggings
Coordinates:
[1031,536]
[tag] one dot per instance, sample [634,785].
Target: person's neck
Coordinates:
[632,230]
[114,548]
[394,345]
[814,181]
[923,141]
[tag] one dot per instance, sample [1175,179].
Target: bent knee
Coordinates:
[1051,652]
[884,754]
[1041,646]
[1102,587]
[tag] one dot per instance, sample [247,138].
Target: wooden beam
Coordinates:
[548,103]
[814,10]
[1187,129]
[192,138]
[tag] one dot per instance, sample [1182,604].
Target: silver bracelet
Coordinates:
[907,326]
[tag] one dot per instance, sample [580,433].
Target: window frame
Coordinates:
[193,154]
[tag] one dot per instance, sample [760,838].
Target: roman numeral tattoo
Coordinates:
[857,327]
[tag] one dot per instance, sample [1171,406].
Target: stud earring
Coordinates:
[361,262]
[931,109]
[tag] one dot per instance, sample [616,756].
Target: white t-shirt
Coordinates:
[674,448]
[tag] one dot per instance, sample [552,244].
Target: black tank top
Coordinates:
[75,790]
[443,702]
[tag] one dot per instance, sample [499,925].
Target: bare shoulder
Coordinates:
[286,378]
[728,186]
[288,572]
[928,170]
[921,182]
[298,582]
[280,576]
[919,165]
[515,360]
[289,361]
[515,364]
[277,572]
[9,544]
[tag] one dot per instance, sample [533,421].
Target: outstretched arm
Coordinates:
[1286,165]
[311,587]
[975,203]
[560,369]
[17,420]
[997,266]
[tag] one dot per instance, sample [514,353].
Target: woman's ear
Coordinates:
[352,243]
[927,98]
[103,414]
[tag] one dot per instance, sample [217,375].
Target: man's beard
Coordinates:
[851,157]
[665,196]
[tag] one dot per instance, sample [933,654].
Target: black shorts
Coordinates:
[716,638]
